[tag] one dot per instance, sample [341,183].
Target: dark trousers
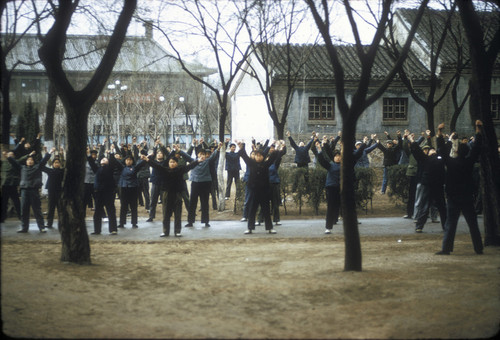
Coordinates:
[172,204]
[259,198]
[155,194]
[412,191]
[54,196]
[333,206]
[31,198]
[10,192]
[185,196]
[128,199]
[232,175]
[454,207]
[431,194]
[199,190]
[88,195]
[104,199]
[144,192]
[248,195]
[275,201]
[214,193]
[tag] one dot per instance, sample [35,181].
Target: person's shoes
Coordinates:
[418,230]
[435,221]
[49,227]
[328,231]
[22,231]
[95,233]
[248,231]
[163,235]
[479,252]
[189,225]
[278,223]
[442,252]
[257,223]
[407,217]
[113,233]
[207,225]
[43,230]
[272,231]
[135,226]
[121,226]
[359,222]
[178,235]
[105,219]
[226,198]
[149,220]
[243,219]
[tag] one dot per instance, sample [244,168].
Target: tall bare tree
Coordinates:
[272,30]
[362,98]
[77,104]
[219,26]
[12,13]
[484,59]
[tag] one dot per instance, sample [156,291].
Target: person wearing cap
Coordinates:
[363,161]
[391,157]
[129,190]
[459,189]
[54,187]
[172,189]
[430,182]
[104,191]
[201,183]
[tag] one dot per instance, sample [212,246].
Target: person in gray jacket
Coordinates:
[31,182]
[201,183]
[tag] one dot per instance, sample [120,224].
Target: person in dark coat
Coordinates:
[302,158]
[129,190]
[275,181]
[233,168]
[258,183]
[459,187]
[10,182]
[172,189]
[104,191]
[430,178]
[30,184]
[54,188]
[391,157]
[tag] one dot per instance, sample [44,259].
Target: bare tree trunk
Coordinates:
[48,130]
[73,229]
[220,178]
[353,258]
[5,89]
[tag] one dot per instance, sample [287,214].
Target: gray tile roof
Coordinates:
[318,67]
[84,52]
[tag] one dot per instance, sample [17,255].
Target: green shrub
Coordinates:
[285,179]
[399,183]
[316,188]
[364,187]
[299,181]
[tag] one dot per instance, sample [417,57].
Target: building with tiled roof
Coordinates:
[313,102]
[146,69]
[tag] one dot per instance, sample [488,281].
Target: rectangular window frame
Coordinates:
[394,109]
[495,107]
[321,109]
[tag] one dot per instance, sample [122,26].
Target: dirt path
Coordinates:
[251,288]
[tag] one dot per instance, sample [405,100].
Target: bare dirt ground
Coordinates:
[252,288]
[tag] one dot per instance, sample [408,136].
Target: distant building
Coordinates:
[313,103]
[152,93]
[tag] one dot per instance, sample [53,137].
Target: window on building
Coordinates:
[321,108]
[495,106]
[395,109]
